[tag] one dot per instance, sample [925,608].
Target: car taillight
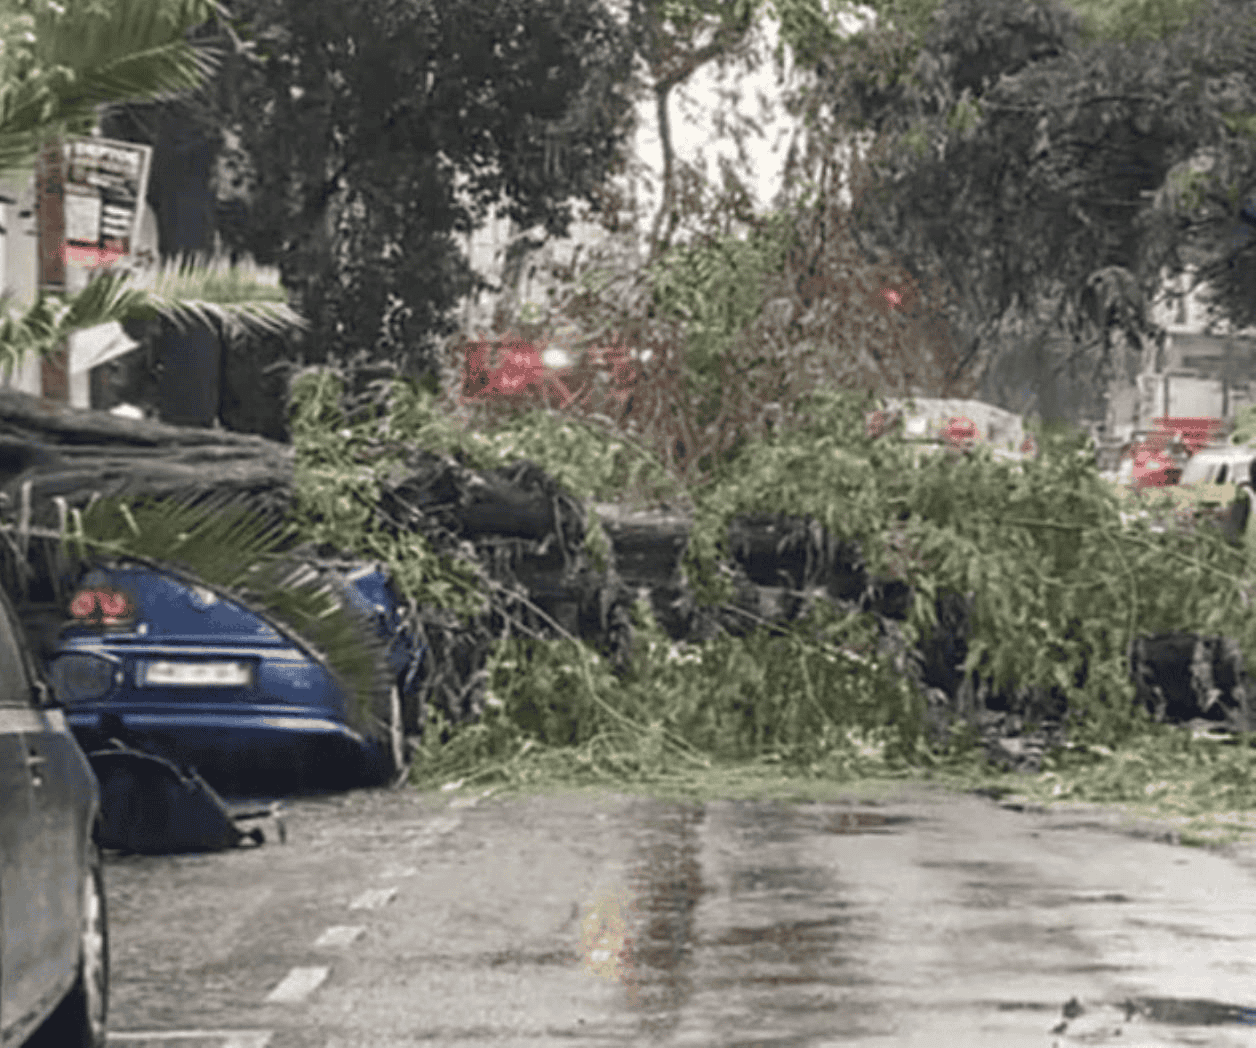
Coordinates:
[107,607]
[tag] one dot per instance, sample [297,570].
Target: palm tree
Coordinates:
[60,62]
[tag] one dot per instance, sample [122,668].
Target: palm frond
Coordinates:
[217,538]
[211,290]
[156,74]
[142,44]
[90,54]
[221,541]
[234,298]
[44,325]
[33,331]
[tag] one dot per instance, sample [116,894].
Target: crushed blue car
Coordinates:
[181,670]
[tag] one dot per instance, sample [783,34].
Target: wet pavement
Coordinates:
[933,922]
[920,918]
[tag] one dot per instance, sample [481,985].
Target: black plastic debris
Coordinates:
[149,806]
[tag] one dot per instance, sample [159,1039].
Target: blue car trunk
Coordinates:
[206,683]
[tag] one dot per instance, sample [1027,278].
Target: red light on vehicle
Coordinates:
[960,430]
[107,607]
[114,605]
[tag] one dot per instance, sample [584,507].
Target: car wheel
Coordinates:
[79,1021]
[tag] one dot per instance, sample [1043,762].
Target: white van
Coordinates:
[1226,464]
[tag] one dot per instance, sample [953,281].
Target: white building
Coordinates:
[1203,369]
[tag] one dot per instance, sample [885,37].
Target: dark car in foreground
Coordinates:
[181,670]
[54,957]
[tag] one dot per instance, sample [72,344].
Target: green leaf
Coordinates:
[90,55]
[1240,123]
[210,291]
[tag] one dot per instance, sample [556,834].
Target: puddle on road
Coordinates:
[642,934]
[780,935]
[782,974]
[780,822]
[799,882]
[785,982]
[1083,897]
[1176,1011]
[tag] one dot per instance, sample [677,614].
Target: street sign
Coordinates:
[90,197]
[104,185]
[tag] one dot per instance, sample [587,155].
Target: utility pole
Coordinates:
[50,224]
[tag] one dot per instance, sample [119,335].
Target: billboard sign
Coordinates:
[104,186]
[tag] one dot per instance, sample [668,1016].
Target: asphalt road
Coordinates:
[917,919]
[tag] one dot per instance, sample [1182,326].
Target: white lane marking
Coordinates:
[297,985]
[373,899]
[339,935]
[230,1038]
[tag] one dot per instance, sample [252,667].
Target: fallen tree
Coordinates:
[521,539]
[75,454]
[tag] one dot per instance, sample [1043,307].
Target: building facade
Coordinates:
[19,277]
[1202,369]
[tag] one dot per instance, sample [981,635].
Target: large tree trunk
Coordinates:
[73,453]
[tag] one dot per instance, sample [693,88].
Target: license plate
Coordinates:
[197,674]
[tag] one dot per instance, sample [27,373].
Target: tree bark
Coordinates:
[660,238]
[74,453]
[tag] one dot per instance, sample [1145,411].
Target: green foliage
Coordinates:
[1085,125]
[911,16]
[807,27]
[1244,426]
[590,463]
[686,15]
[964,116]
[821,705]
[1240,123]
[716,287]
[826,469]
[60,61]
[1162,771]
[420,119]
[236,298]
[1060,586]
[336,493]
[1129,20]
[58,64]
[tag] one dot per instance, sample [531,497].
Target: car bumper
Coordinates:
[240,752]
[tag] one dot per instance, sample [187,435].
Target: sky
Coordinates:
[695,103]
[694,111]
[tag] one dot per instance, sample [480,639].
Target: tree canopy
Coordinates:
[360,141]
[1032,155]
